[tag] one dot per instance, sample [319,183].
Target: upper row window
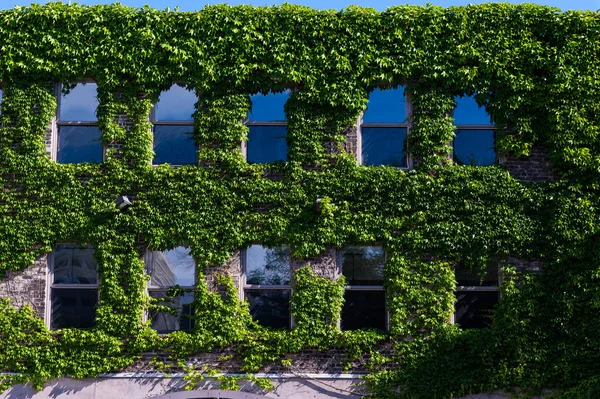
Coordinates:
[385,126]
[268,128]
[173,122]
[79,137]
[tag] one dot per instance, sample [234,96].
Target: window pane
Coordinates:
[73,308]
[74,265]
[363,309]
[474,147]
[1,94]
[80,104]
[270,308]
[77,144]
[386,106]
[363,265]
[383,146]
[468,112]
[171,267]
[174,145]
[176,104]
[467,277]
[269,107]
[474,309]
[268,266]
[267,144]
[165,322]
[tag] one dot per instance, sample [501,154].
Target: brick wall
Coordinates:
[27,286]
[534,168]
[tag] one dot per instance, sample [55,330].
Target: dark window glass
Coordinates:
[1,93]
[166,322]
[73,308]
[174,145]
[270,308]
[468,112]
[269,107]
[474,147]
[267,144]
[473,309]
[80,104]
[77,144]
[171,267]
[386,106]
[175,104]
[363,309]
[467,277]
[268,266]
[363,265]
[74,266]
[383,146]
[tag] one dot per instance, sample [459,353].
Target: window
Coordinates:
[475,296]
[475,133]
[79,137]
[74,287]
[267,285]
[384,128]
[268,128]
[170,268]
[174,127]
[364,305]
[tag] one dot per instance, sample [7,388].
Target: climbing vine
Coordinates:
[534,68]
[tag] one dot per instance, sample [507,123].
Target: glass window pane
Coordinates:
[269,107]
[473,309]
[474,147]
[383,146]
[80,104]
[267,144]
[363,309]
[171,267]
[74,265]
[166,322]
[73,308]
[468,277]
[362,265]
[270,308]
[268,266]
[386,106]
[176,104]
[77,144]
[468,112]
[174,145]
[1,94]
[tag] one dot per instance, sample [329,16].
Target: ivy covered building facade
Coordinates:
[289,201]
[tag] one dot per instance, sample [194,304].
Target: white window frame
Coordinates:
[163,290]
[152,119]
[477,288]
[283,287]
[377,288]
[50,285]
[57,122]
[408,124]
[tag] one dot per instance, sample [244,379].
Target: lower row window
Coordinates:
[267,289]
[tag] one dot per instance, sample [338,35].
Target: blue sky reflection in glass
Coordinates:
[386,106]
[80,103]
[176,104]
[468,112]
[268,107]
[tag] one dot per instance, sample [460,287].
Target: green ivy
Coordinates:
[534,68]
